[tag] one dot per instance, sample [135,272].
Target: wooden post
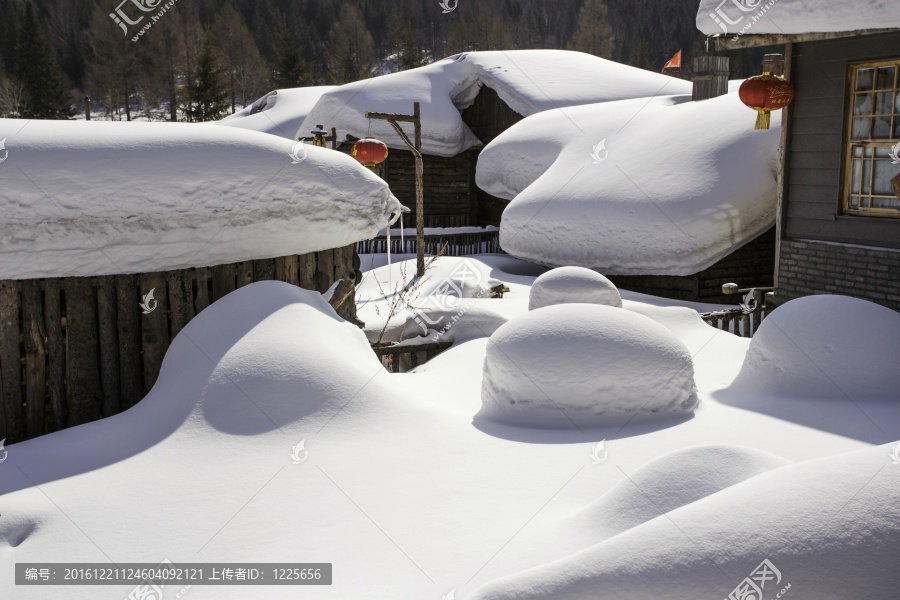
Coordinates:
[85,396]
[35,364]
[780,179]
[10,365]
[416,149]
[128,324]
[109,345]
[56,351]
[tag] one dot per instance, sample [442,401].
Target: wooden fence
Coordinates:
[735,321]
[397,358]
[75,349]
[458,244]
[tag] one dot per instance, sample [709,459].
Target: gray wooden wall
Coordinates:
[75,349]
[815,143]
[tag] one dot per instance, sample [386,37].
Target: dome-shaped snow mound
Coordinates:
[572,285]
[583,363]
[825,347]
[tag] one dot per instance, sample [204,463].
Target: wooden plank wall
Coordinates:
[752,265]
[815,156]
[75,349]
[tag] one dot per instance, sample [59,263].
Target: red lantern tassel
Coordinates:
[762,119]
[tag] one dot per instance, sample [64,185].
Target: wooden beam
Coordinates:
[733,41]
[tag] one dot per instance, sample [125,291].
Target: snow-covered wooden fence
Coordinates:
[457,244]
[75,349]
[736,321]
[397,358]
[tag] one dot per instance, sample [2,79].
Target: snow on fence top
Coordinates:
[95,198]
[280,112]
[648,186]
[529,81]
[795,16]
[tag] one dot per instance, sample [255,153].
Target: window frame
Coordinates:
[849,144]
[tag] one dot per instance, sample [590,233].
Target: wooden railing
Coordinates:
[457,244]
[392,356]
[736,321]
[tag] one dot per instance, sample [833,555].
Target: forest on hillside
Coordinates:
[203,59]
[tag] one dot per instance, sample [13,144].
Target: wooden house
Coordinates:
[838,220]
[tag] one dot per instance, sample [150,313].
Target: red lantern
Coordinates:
[765,93]
[369,152]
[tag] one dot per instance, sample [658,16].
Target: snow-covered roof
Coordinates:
[280,112]
[529,81]
[93,198]
[648,186]
[795,16]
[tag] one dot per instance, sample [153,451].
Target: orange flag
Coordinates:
[675,62]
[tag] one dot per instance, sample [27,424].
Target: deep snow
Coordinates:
[279,112]
[601,185]
[748,17]
[411,495]
[528,81]
[96,198]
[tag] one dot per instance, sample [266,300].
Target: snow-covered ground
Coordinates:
[94,198]
[642,186]
[412,494]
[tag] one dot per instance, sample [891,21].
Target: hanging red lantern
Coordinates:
[765,93]
[369,152]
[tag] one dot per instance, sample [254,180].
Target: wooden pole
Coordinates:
[416,149]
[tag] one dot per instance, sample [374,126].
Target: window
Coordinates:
[873,147]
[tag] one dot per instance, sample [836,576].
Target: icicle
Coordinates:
[402,243]
[390,278]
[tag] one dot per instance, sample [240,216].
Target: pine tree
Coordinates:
[409,55]
[289,70]
[208,93]
[350,49]
[46,93]
[593,33]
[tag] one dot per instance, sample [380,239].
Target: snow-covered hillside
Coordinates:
[93,198]
[528,81]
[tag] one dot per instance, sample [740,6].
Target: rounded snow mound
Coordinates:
[775,516]
[572,285]
[582,363]
[669,482]
[825,347]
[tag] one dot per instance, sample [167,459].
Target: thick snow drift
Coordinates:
[808,520]
[825,347]
[573,285]
[528,81]
[579,364]
[617,198]
[280,112]
[94,198]
[673,480]
[716,17]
